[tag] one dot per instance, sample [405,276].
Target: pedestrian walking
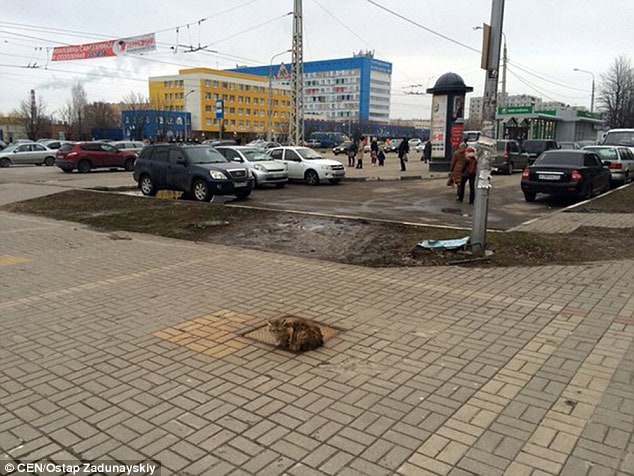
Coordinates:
[469,174]
[403,150]
[351,152]
[426,151]
[381,157]
[456,167]
[360,152]
[374,150]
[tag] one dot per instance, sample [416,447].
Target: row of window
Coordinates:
[255,124]
[174,84]
[329,74]
[245,99]
[329,81]
[234,86]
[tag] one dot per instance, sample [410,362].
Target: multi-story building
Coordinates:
[476,104]
[245,101]
[353,89]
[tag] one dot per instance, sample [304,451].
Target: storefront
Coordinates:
[523,122]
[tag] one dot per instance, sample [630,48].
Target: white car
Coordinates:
[27,153]
[308,164]
[621,160]
[129,145]
[265,170]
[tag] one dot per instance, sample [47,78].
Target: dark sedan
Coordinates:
[573,173]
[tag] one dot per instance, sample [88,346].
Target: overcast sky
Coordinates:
[546,40]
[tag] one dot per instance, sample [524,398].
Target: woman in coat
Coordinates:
[456,167]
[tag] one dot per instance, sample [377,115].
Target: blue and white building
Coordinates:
[353,89]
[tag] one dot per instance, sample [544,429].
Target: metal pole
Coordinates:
[269,111]
[592,93]
[483,182]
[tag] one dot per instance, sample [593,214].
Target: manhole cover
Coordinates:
[261,333]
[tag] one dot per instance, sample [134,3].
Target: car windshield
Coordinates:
[620,138]
[604,152]
[309,154]
[205,155]
[560,159]
[533,146]
[255,155]
[11,148]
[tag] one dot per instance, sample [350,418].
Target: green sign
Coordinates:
[589,115]
[515,110]
[548,112]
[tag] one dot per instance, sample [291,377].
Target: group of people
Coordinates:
[377,154]
[462,169]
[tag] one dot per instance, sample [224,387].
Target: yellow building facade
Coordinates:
[245,100]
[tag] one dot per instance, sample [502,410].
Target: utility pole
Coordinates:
[296,120]
[491,59]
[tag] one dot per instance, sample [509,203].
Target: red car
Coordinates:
[85,156]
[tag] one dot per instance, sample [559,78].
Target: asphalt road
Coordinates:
[427,201]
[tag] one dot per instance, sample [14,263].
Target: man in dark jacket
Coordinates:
[403,150]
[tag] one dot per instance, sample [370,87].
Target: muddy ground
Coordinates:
[358,242]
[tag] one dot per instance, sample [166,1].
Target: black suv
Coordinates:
[534,147]
[199,170]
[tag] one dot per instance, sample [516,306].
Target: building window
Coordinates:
[208,121]
[207,83]
[207,95]
[208,108]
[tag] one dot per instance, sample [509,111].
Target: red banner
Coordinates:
[103,49]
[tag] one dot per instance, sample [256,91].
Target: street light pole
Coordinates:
[185,108]
[269,110]
[592,95]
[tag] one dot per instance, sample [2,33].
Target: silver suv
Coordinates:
[509,156]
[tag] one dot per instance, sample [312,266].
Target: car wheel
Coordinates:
[49,161]
[530,196]
[129,165]
[243,195]
[200,191]
[84,166]
[311,177]
[334,181]
[5,162]
[147,186]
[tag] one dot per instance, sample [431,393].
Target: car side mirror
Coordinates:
[236,159]
[181,161]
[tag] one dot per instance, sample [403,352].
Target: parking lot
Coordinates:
[415,196]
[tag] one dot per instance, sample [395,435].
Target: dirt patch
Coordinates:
[358,242]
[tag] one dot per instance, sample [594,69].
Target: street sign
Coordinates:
[220,110]
[515,110]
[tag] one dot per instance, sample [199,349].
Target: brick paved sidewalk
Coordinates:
[128,347]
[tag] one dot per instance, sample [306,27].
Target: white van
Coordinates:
[622,137]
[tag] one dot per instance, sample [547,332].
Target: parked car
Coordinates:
[129,145]
[264,169]
[571,173]
[307,164]
[567,145]
[54,144]
[198,170]
[313,144]
[86,156]
[215,142]
[621,161]
[509,156]
[328,139]
[262,144]
[26,153]
[534,147]
[414,143]
[342,148]
[624,137]
[392,146]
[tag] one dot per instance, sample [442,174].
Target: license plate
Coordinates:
[548,177]
[240,184]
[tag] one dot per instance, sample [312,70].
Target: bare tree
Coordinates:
[101,115]
[616,94]
[32,113]
[79,102]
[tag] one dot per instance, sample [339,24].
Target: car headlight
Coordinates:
[217,175]
[259,167]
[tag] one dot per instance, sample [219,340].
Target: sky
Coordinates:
[423,39]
